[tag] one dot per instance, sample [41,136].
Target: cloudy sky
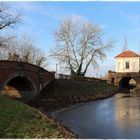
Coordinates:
[117,19]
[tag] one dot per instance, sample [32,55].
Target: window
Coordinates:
[134,65]
[118,65]
[127,65]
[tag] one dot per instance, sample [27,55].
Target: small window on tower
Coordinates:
[118,65]
[134,65]
[127,65]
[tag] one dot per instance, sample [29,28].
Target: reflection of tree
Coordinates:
[127,113]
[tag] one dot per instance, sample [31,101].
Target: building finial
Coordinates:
[139,47]
[125,47]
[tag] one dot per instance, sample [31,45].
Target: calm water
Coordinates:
[115,117]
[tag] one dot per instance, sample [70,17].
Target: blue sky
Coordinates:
[117,19]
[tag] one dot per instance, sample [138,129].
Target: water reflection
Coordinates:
[127,112]
[116,117]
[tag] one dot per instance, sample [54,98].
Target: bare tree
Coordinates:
[23,49]
[78,45]
[7,17]
[31,54]
[4,44]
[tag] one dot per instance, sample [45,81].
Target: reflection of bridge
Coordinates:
[122,79]
[26,78]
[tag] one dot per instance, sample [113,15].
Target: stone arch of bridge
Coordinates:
[19,87]
[46,87]
[124,82]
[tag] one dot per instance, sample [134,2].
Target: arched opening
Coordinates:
[19,88]
[132,83]
[127,83]
[112,81]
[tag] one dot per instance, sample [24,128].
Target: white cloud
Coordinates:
[103,26]
[101,71]
[54,12]
[134,19]
[38,8]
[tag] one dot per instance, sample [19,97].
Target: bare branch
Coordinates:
[79,44]
[7,17]
[24,49]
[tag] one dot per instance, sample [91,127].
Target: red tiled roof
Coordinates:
[127,54]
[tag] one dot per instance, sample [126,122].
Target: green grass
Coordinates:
[18,120]
[77,88]
[62,92]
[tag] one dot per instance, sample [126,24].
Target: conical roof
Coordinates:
[127,54]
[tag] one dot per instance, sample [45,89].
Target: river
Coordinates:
[112,118]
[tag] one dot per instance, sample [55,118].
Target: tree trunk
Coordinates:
[73,73]
[79,70]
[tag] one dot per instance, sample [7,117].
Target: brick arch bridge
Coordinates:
[25,77]
[122,79]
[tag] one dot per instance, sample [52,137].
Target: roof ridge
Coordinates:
[127,53]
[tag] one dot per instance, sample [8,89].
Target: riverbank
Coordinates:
[18,120]
[113,118]
[62,93]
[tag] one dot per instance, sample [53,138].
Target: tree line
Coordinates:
[78,44]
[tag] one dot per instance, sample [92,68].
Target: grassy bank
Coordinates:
[18,120]
[60,93]
[64,87]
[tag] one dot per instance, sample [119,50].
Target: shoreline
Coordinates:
[64,107]
[52,104]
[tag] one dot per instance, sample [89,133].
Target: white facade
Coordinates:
[127,64]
